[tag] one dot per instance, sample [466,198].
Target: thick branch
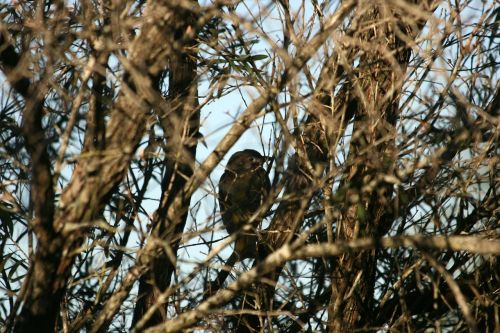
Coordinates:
[297,251]
[181,126]
[35,314]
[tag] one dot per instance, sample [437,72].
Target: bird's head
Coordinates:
[246,160]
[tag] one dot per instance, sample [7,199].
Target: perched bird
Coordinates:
[242,189]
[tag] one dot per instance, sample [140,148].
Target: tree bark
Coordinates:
[372,155]
[95,176]
[181,127]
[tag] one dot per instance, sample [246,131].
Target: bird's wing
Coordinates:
[224,184]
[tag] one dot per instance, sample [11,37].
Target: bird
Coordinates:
[243,188]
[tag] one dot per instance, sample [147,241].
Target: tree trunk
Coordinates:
[181,125]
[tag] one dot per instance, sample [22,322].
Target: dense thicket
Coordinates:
[381,119]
